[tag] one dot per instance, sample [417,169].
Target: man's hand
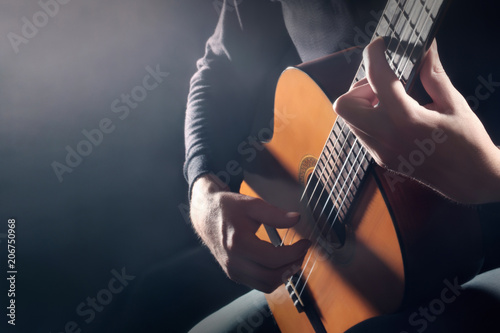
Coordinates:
[227,223]
[465,165]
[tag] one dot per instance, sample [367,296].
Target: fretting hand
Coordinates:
[464,165]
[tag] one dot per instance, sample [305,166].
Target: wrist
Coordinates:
[207,184]
[203,201]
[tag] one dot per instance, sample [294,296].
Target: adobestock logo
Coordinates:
[88,310]
[483,91]
[30,28]
[425,315]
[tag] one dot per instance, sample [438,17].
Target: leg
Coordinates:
[247,314]
[474,309]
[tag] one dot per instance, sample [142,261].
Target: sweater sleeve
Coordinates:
[233,84]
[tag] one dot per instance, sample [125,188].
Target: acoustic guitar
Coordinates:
[380,241]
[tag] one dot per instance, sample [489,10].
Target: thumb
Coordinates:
[273,216]
[435,80]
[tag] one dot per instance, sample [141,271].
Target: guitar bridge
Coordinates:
[303,303]
[293,286]
[297,291]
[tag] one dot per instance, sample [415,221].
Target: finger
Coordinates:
[435,80]
[265,213]
[385,84]
[259,277]
[267,255]
[356,107]
[360,83]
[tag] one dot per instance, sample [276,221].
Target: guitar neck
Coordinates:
[408,27]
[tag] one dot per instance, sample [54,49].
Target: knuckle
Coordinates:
[252,203]
[438,70]
[339,105]
[229,240]
[230,235]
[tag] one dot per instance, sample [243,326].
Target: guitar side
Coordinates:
[392,235]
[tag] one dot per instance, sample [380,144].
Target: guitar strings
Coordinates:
[316,259]
[360,163]
[347,137]
[336,163]
[323,189]
[399,78]
[340,173]
[406,64]
[362,148]
[418,37]
[318,181]
[401,67]
[403,29]
[335,186]
[331,155]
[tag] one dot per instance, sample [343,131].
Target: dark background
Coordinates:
[120,208]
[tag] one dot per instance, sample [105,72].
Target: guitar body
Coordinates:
[402,242]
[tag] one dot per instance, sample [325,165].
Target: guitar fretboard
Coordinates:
[339,177]
[407,26]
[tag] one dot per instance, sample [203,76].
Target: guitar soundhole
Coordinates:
[329,223]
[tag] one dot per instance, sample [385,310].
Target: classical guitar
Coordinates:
[378,244]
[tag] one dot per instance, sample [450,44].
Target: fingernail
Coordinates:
[293,215]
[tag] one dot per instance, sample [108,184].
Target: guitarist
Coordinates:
[253,42]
